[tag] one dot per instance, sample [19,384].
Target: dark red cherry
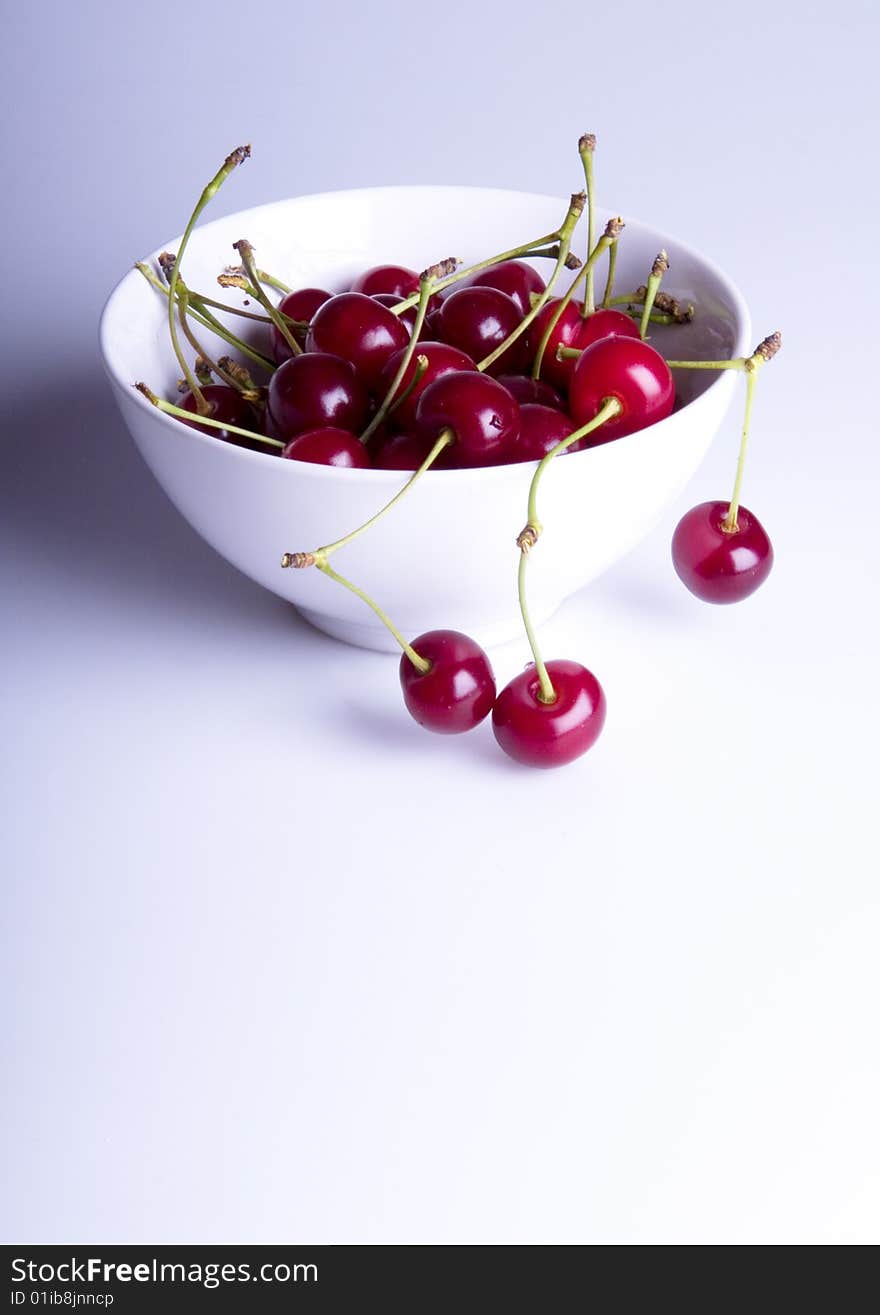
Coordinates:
[527,390]
[395,279]
[458,691]
[625,368]
[562,336]
[477,320]
[407,317]
[401,452]
[549,734]
[358,329]
[482,415]
[442,359]
[540,429]
[300,304]
[315,390]
[327,447]
[229,407]
[718,565]
[514,277]
[609,323]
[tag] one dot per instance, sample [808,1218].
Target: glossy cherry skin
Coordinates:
[514,277]
[482,415]
[459,690]
[407,317]
[576,331]
[401,452]
[300,304]
[327,447]
[601,324]
[550,734]
[315,390]
[442,359]
[395,279]
[477,320]
[527,390]
[358,329]
[717,566]
[625,368]
[228,406]
[540,429]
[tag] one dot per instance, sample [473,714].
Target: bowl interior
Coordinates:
[325,240]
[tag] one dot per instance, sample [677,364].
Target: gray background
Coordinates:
[277,966]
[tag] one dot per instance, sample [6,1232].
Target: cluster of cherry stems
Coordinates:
[403,374]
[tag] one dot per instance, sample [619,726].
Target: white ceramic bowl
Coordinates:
[446,556]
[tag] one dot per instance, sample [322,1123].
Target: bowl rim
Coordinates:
[723,382]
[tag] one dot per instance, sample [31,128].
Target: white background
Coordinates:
[281,967]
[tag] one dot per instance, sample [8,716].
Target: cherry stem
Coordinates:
[245,386]
[299,559]
[529,536]
[608,239]
[246,251]
[273,282]
[681,314]
[426,288]
[526,249]
[609,282]
[575,210]
[235,158]
[422,364]
[170,409]
[730,524]
[421,664]
[655,278]
[198,311]
[586,147]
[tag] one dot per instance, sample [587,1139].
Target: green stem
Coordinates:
[730,523]
[235,158]
[198,311]
[422,364]
[421,664]
[170,409]
[426,288]
[608,238]
[183,305]
[736,363]
[587,146]
[246,251]
[273,281]
[655,278]
[609,282]
[565,235]
[529,536]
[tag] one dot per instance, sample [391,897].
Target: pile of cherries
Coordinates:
[405,370]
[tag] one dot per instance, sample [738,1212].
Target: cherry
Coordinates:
[716,564]
[407,317]
[562,336]
[514,277]
[442,359]
[458,691]
[401,452]
[477,320]
[397,280]
[481,414]
[549,734]
[229,407]
[360,330]
[541,428]
[315,390]
[527,390]
[629,370]
[327,447]
[299,305]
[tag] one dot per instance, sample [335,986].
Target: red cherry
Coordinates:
[562,336]
[625,368]
[407,317]
[482,415]
[514,277]
[230,408]
[395,279]
[717,565]
[358,329]
[300,304]
[401,452]
[541,428]
[527,390]
[442,359]
[327,447]
[315,390]
[477,320]
[458,691]
[549,734]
